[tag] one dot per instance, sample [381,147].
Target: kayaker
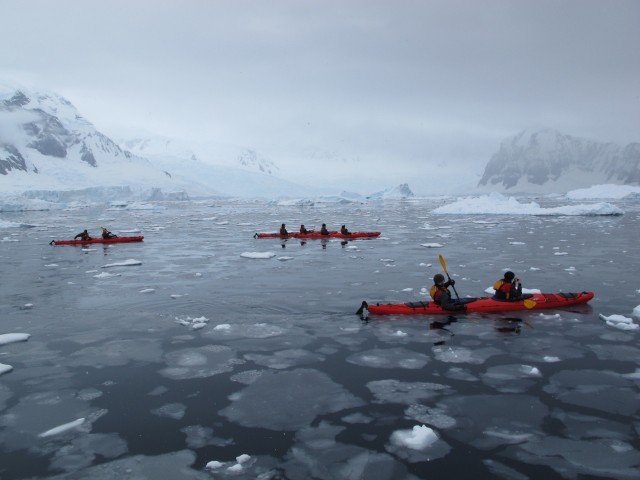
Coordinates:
[283,230]
[344,231]
[84,236]
[323,230]
[508,288]
[106,234]
[442,296]
[303,230]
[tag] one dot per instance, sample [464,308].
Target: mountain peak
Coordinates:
[547,160]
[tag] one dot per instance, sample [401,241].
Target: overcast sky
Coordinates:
[400,90]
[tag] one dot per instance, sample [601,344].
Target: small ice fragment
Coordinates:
[62,428]
[257,255]
[4,368]
[213,465]
[7,338]
[126,263]
[418,438]
[148,290]
[432,245]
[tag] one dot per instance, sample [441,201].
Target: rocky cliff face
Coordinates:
[549,161]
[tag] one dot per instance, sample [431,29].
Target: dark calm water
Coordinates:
[196,354]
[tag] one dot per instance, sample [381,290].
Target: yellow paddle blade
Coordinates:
[443,263]
[529,303]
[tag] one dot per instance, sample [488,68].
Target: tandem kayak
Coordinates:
[97,240]
[313,235]
[536,301]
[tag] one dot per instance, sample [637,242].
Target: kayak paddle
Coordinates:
[444,267]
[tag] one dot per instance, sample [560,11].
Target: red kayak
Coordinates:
[536,301]
[313,235]
[97,240]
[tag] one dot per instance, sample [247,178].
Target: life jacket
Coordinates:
[503,289]
[436,292]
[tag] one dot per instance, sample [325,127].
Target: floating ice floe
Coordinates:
[193,323]
[432,245]
[419,444]
[636,312]
[62,428]
[4,368]
[418,438]
[241,461]
[7,338]
[619,321]
[608,191]
[498,204]
[147,290]
[257,255]
[106,275]
[126,263]
[284,259]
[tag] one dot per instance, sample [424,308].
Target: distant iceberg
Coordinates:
[498,204]
[605,191]
[400,192]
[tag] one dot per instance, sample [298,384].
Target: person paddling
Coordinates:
[442,296]
[344,230]
[323,230]
[106,234]
[283,230]
[304,231]
[83,236]
[508,288]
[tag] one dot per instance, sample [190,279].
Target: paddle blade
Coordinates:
[443,263]
[529,303]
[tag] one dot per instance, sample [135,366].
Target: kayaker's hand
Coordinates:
[452,282]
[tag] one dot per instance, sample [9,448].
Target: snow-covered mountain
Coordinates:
[45,144]
[218,154]
[548,161]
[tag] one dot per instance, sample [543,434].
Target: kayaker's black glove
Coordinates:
[451,282]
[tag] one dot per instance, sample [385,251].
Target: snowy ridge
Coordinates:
[163,148]
[548,161]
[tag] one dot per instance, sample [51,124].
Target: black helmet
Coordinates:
[508,276]
[438,278]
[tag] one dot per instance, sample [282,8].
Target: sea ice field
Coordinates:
[203,352]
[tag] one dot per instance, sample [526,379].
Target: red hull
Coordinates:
[316,235]
[98,240]
[537,301]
